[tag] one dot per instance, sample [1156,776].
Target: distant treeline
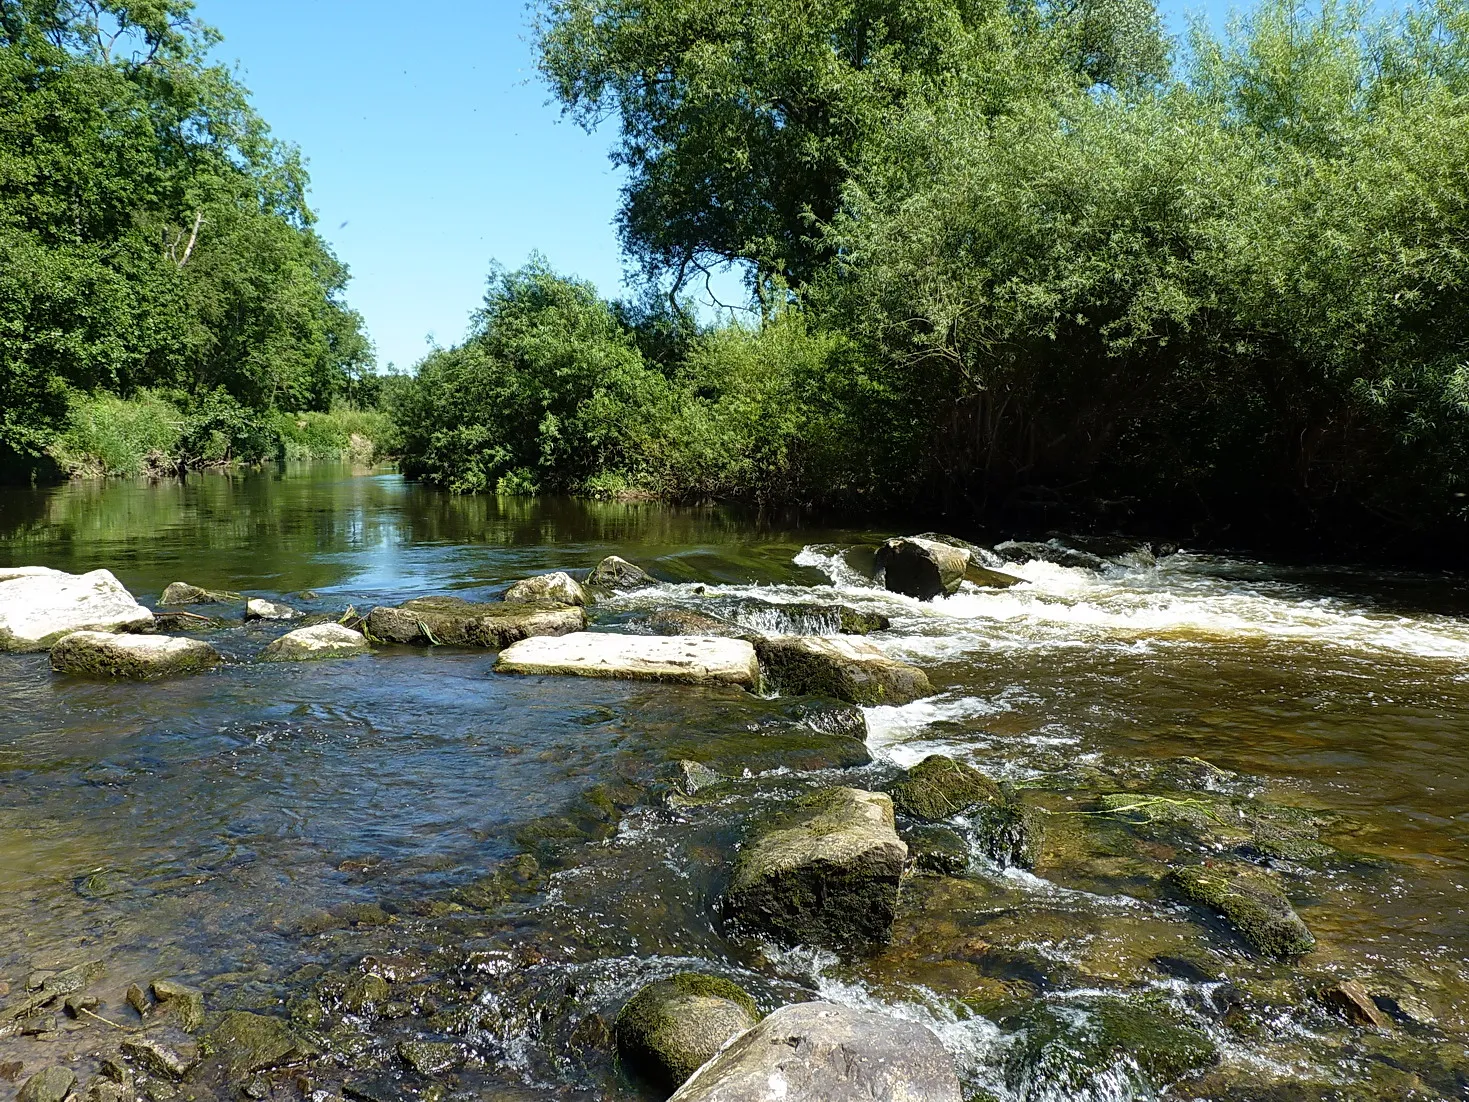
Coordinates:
[1027,261]
[160,280]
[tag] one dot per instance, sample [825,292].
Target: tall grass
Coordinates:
[106,435]
[353,435]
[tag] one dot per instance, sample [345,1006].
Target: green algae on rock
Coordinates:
[453,622]
[182,593]
[1253,901]
[672,1027]
[1224,822]
[847,669]
[1066,1048]
[824,874]
[131,657]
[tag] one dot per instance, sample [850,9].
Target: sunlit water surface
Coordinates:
[208,827]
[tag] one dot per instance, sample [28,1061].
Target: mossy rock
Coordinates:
[521,875]
[939,788]
[824,873]
[1010,833]
[671,1028]
[452,622]
[840,667]
[618,574]
[130,657]
[1223,822]
[249,1042]
[182,593]
[1254,903]
[937,849]
[1066,1049]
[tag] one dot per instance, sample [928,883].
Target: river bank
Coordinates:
[500,853]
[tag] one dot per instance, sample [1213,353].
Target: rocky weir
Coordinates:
[785,851]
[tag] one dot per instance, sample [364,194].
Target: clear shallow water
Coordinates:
[208,827]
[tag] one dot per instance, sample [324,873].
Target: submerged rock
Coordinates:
[683,621]
[1052,552]
[430,1058]
[249,1042]
[987,577]
[186,1003]
[1253,901]
[820,1050]
[679,781]
[258,609]
[182,593]
[825,874]
[1067,1049]
[319,641]
[38,606]
[921,568]
[670,1028]
[686,659]
[558,588]
[776,618]
[136,657]
[48,1085]
[1350,999]
[452,622]
[618,574]
[847,669]
[1270,830]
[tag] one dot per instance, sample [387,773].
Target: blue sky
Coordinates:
[432,151]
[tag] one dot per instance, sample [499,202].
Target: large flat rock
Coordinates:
[135,657]
[824,873]
[452,622]
[687,659]
[821,1051]
[38,606]
[849,669]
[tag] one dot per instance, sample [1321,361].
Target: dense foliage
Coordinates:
[1015,261]
[152,234]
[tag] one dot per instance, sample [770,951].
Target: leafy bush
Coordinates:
[343,433]
[550,388]
[107,435]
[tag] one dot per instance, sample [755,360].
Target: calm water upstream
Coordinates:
[261,829]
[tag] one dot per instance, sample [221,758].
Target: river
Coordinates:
[261,829]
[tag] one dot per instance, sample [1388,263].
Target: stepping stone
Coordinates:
[686,659]
[135,657]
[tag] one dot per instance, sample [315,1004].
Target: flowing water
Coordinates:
[273,832]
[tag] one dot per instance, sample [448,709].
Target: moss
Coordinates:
[1254,903]
[521,875]
[252,1042]
[939,788]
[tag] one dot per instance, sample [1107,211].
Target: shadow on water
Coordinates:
[501,851]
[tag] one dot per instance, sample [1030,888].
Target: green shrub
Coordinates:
[344,433]
[106,435]
[550,389]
